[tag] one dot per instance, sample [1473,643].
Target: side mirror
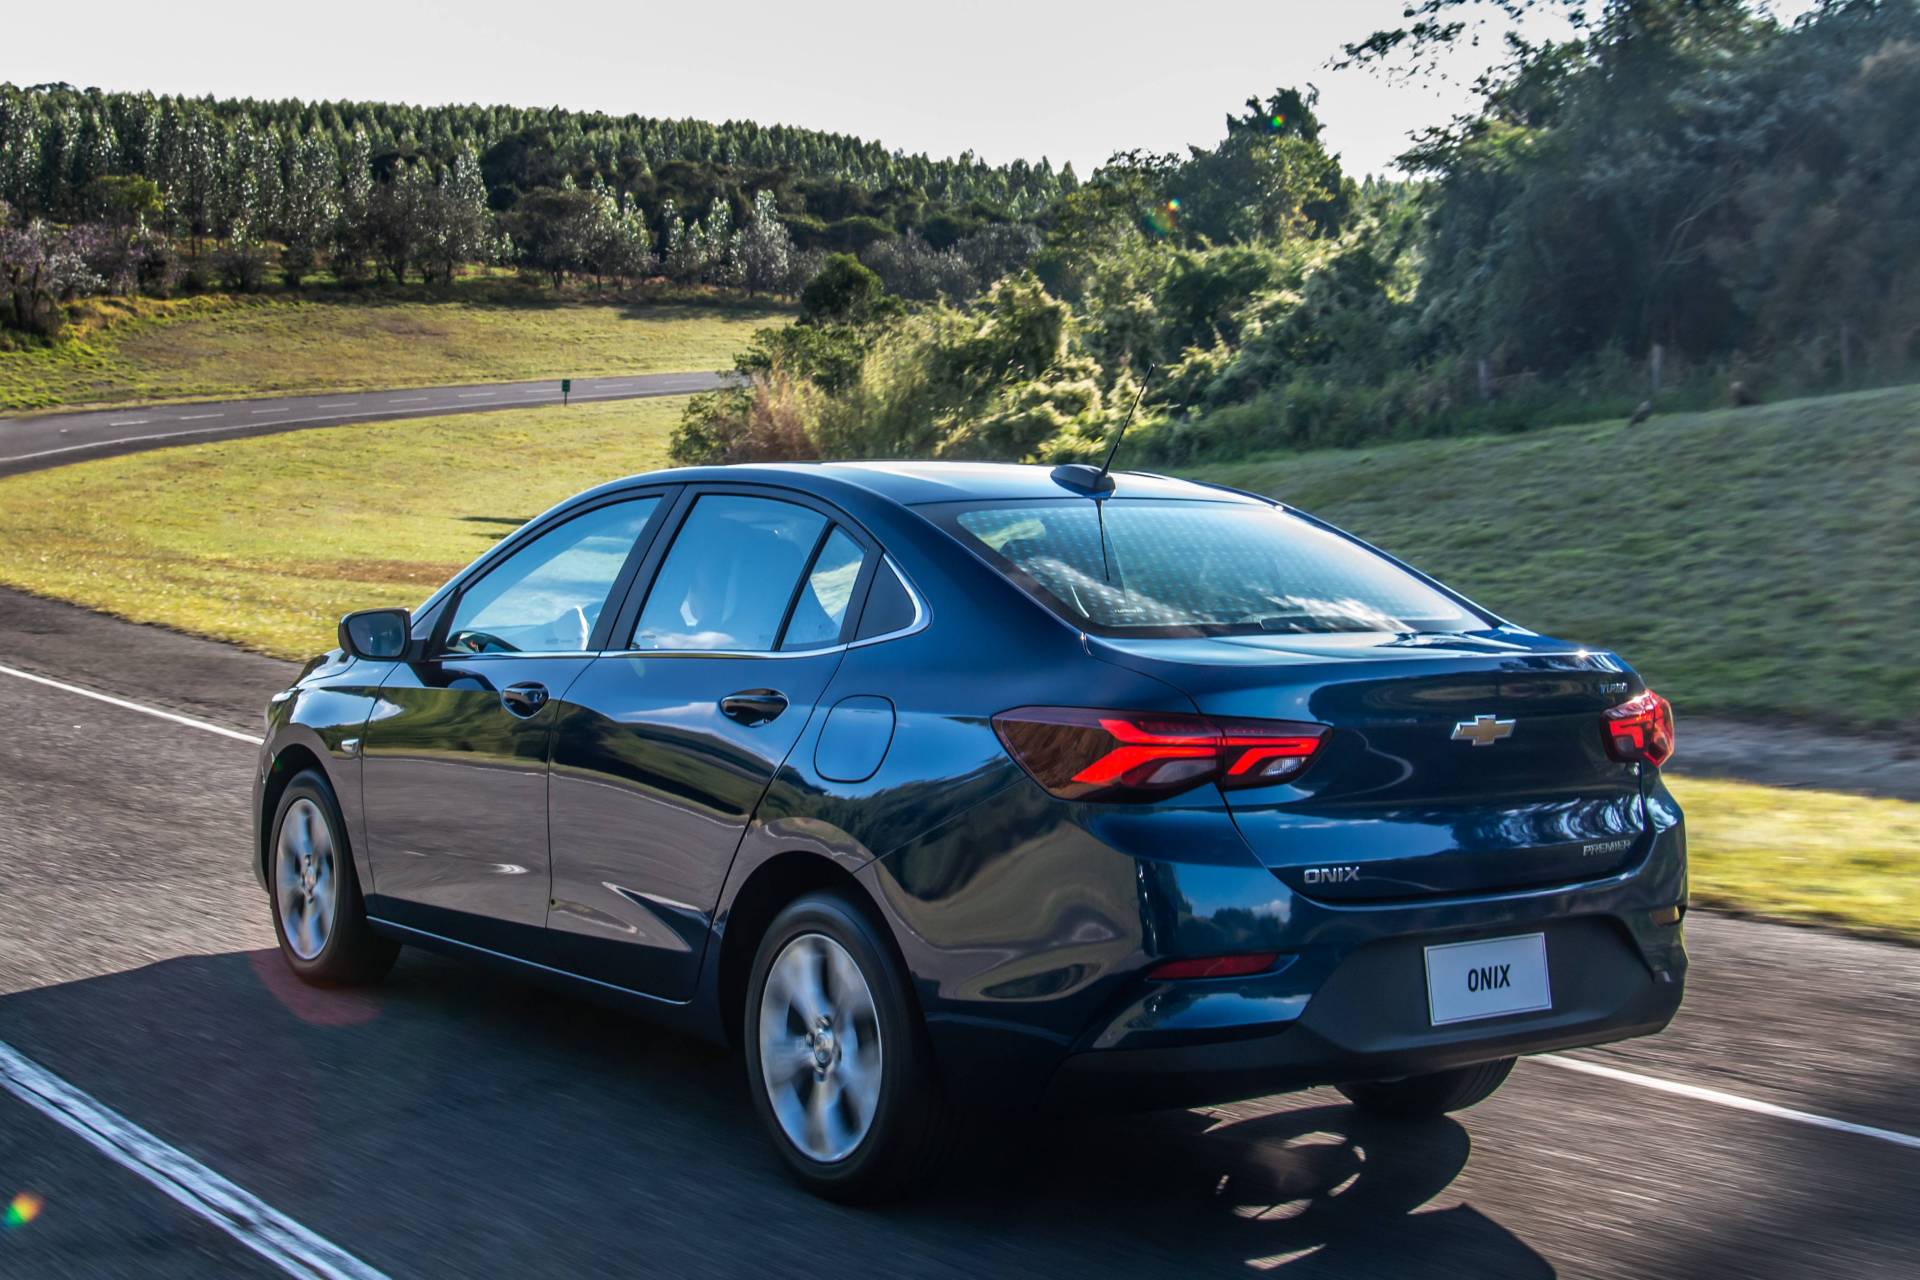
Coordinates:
[378,635]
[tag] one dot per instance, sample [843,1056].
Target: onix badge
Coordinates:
[1482,731]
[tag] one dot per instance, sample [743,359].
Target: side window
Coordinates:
[889,607]
[546,597]
[729,576]
[821,610]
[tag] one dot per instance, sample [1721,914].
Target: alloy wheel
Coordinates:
[820,1050]
[305,878]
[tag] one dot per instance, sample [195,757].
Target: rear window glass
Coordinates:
[1139,566]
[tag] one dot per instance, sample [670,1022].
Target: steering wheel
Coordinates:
[480,642]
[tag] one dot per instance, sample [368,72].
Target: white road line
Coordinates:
[128,422]
[336,404]
[196,417]
[257,412]
[122,703]
[474,395]
[1700,1093]
[406,399]
[236,1211]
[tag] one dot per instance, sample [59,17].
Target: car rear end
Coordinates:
[1454,843]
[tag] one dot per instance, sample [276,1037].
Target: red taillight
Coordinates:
[1640,730]
[1082,754]
[1215,966]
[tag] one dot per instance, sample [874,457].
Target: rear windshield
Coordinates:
[1153,567]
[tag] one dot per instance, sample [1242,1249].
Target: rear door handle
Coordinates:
[753,706]
[524,700]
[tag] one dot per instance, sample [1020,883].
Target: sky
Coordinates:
[1072,80]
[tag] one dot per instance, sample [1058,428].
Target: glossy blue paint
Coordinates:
[854,739]
[611,839]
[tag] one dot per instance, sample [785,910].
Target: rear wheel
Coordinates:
[837,1060]
[1422,1097]
[318,915]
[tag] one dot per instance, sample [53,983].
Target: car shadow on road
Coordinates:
[452,1121]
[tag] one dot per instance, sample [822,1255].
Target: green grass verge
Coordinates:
[1751,562]
[266,542]
[1814,857]
[212,347]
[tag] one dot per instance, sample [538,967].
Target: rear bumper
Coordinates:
[1368,1019]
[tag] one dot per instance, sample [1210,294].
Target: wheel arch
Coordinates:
[289,762]
[766,892]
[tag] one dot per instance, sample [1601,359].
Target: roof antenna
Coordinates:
[1084,477]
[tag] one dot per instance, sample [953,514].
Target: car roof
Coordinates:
[918,483]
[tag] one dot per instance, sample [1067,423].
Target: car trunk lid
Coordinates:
[1455,764]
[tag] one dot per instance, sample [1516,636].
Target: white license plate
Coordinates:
[1468,980]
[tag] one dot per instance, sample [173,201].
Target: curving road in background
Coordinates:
[178,1106]
[32,442]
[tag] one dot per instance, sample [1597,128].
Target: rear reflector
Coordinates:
[1078,753]
[1640,730]
[1214,966]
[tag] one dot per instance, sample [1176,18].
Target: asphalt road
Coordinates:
[51,439]
[452,1122]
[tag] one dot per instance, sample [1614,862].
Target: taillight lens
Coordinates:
[1640,730]
[1079,753]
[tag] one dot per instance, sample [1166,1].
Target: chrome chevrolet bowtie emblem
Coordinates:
[1482,731]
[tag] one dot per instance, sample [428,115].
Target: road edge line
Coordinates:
[122,703]
[259,1226]
[1700,1093]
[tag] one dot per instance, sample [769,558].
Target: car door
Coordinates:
[454,758]
[663,750]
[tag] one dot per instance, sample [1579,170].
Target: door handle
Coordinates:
[524,700]
[753,706]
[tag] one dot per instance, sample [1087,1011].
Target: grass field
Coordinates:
[1753,562]
[1808,856]
[265,542]
[210,347]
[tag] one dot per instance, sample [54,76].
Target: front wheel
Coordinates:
[318,915]
[837,1061]
[1423,1097]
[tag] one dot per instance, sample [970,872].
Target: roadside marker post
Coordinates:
[566,390]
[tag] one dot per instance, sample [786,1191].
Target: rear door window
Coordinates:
[732,574]
[820,611]
[1157,567]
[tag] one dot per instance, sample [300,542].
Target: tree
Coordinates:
[353,226]
[553,231]
[399,216]
[1270,178]
[250,194]
[309,208]
[457,225]
[39,270]
[844,291]
[766,250]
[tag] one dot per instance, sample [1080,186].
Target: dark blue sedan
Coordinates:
[944,787]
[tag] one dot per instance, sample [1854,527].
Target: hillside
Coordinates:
[478,331]
[265,542]
[1753,562]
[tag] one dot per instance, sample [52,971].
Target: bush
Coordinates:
[844,290]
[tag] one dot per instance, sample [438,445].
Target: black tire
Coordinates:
[351,953]
[911,1129]
[1423,1097]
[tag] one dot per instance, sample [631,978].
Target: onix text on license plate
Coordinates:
[1468,980]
